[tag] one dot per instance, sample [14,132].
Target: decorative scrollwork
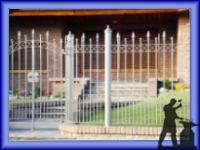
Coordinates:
[96,48]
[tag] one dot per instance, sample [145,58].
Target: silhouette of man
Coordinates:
[169,122]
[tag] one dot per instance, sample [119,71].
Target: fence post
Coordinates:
[69,76]
[107,69]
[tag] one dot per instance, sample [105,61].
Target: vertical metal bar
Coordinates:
[72,102]
[133,55]
[118,57]
[54,58]
[163,38]
[54,76]
[148,75]
[125,59]
[26,73]
[33,76]
[83,74]
[140,62]
[97,78]
[20,71]
[12,66]
[118,73]
[140,74]
[40,37]
[108,57]
[66,80]
[76,51]
[159,47]
[47,77]
[19,62]
[69,77]
[133,69]
[148,55]
[172,63]
[156,58]
[156,75]
[90,76]
[61,115]
[61,72]
[61,58]
[126,78]
[12,77]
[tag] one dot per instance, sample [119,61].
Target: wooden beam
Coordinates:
[23,13]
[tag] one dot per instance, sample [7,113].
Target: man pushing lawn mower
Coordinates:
[186,136]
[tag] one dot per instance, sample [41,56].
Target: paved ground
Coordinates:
[49,135]
[24,135]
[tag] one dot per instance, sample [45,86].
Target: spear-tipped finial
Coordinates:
[148,33]
[83,38]
[164,34]
[133,35]
[118,35]
[107,29]
[125,40]
[69,34]
[19,33]
[97,35]
[47,33]
[33,31]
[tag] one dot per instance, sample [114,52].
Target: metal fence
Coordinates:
[82,81]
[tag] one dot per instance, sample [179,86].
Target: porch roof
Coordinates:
[92,12]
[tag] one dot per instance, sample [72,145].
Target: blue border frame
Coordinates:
[5,6]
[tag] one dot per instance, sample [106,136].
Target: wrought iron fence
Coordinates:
[65,80]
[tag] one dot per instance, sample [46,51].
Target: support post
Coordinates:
[69,77]
[107,69]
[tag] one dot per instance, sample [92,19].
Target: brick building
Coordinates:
[175,22]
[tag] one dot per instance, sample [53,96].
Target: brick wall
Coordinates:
[183,51]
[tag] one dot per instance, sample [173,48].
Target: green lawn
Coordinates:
[147,113]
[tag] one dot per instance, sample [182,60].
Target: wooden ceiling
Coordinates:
[97,12]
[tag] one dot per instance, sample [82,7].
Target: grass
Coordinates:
[147,113]
[28,100]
